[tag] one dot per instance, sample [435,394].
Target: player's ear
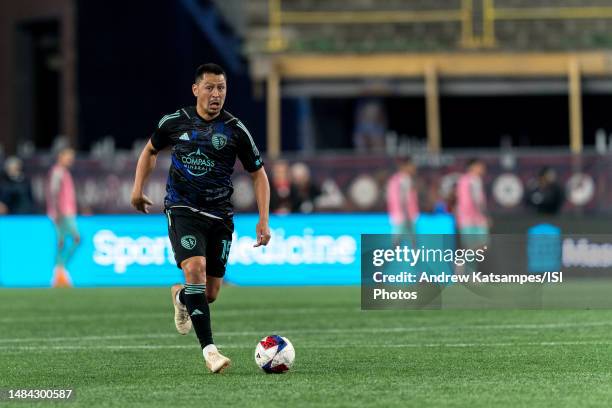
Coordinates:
[194,89]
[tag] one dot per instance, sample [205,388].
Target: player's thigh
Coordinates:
[218,247]
[60,232]
[70,226]
[187,233]
[474,236]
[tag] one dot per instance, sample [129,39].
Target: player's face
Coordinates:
[481,169]
[210,94]
[408,168]
[67,158]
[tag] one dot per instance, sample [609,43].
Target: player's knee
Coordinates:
[211,297]
[195,270]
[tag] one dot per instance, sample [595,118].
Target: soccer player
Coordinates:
[402,198]
[471,206]
[205,141]
[62,208]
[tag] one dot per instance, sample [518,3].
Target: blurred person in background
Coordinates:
[473,223]
[402,197]
[471,206]
[62,209]
[370,126]
[280,188]
[304,192]
[15,188]
[546,195]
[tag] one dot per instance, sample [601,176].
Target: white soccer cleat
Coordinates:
[215,361]
[181,316]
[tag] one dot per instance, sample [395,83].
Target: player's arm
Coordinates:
[160,139]
[478,197]
[251,161]
[144,168]
[261,185]
[54,190]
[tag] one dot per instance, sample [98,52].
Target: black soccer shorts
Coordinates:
[194,234]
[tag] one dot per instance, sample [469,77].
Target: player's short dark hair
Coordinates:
[208,68]
[473,161]
[546,170]
[404,160]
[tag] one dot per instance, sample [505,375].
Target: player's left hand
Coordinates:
[263,233]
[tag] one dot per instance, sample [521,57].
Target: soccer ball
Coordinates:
[274,354]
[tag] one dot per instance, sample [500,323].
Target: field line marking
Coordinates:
[323,346]
[160,315]
[288,332]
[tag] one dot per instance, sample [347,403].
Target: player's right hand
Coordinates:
[141,202]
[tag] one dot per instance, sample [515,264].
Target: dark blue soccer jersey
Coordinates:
[203,158]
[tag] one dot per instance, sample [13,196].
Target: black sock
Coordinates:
[197,306]
[182,296]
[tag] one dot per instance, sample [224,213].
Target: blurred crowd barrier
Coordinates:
[356,183]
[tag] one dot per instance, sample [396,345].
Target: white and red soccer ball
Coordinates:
[274,354]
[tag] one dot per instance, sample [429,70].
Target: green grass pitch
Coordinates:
[118,347]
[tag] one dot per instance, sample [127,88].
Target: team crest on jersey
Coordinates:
[219,140]
[197,163]
[188,242]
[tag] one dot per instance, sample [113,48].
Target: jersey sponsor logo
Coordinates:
[219,140]
[184,136]
[197,163]
[188,242]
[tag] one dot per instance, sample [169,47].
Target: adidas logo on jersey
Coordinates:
[184,136]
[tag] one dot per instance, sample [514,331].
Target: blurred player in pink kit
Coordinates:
[62,209]
[471,207]
[402,198]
